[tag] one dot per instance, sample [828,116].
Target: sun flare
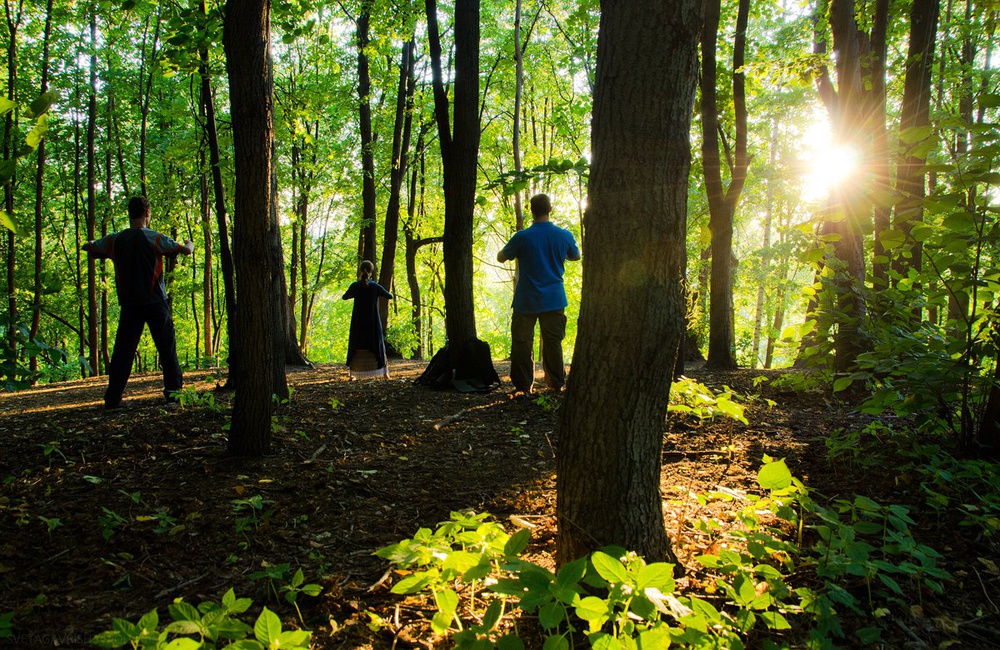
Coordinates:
[826,165]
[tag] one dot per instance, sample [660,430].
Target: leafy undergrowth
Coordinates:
[108,516]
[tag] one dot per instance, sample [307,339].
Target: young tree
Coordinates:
[632,308]
[722,201]
[246,38]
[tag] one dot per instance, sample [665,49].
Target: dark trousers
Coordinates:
[522,334]
[130,324]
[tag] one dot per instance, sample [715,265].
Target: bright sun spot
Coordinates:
[825,165]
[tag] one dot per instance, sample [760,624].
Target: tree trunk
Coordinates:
[516,130]
[459,153]
[9,154]
[915,116]
[93,347]
[369,208]
[611,425]
[722,202]
[881,174]
[36,307]
[765,259]
[146,95]
[400,145]
[219,192]
[246,38]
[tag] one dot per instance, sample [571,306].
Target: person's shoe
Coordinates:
[112,405]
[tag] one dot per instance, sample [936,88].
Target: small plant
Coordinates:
[690,397]
[258,512]
[49,448]
[547,403]
[272,573]
[110,522]
[297,586]
[198,399]
[51,523]
[209,625]
[335,404]
[166,524]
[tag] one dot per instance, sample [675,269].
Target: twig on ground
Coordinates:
[443,422]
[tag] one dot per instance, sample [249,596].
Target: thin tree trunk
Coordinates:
[765,259]
[36,307]
[400,150]
[881,173]
[369,208]
[92,201]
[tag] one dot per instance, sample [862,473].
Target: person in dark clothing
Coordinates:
[137,253]
[541,251]
[365,345]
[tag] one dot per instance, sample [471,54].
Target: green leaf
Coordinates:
[9,223]
[842,383]
[775,621]
[149,621]
[551,615]
[517,543]
[440,622]
[557,642]
[293,639]
[181,611]
[183,643]
[447,601]
[774,476]
[42,104]
[592,608]
[609,568]
[570,574]
[891,583]
[267,628]
[492,615]
[510,642]
[658,574]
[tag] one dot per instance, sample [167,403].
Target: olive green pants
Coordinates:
[522,334]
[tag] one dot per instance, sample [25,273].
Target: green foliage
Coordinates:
[197,399]
[257,512]
[962,487]
[691,397]
[855,554]
[208,626]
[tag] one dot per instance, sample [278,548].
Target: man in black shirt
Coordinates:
[138,253]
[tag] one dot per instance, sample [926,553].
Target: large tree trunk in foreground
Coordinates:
[246,37]
[611,429]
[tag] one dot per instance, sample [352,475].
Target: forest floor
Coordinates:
[107,515]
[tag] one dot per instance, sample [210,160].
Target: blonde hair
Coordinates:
[365,272]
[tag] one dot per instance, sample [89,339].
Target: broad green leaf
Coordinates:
[551,615]
[842,383]
[556,642]
[775,621]
[658,574]
[267,628]
[41,105]
[774,476]
[9,223]
[181,611]
[183,643]
[603,641]
[592,608]
[510,642]
[6,106]
[149,621]
[293,639]
[609,568]
[440,622]
[492,615]
[517,543]
[447,601]
[657,638]
[570,574]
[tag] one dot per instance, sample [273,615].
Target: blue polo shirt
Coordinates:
[541,251]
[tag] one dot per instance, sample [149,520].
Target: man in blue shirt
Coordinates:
[541,251]
[138,253]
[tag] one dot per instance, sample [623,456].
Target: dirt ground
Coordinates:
[109,514]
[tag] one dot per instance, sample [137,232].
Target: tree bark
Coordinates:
[910,176]
[369,208]
[36,307]
[400,148]
[611,425]
[722,201]
[459,152]
[93,348]
[246,38]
